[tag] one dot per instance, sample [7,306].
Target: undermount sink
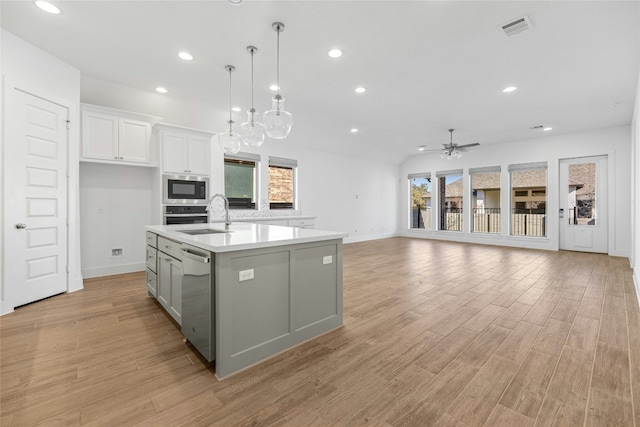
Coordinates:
[203,231]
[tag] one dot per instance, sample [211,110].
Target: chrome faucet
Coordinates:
[227,222]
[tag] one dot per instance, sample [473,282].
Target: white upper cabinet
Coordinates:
[185,151]
[116,136]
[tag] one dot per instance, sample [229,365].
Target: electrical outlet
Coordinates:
[245,275]
[116,252]
[327,259]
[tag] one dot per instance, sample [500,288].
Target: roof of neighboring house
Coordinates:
[583,177]
[491,181]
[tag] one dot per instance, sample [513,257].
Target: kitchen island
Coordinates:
[245,292]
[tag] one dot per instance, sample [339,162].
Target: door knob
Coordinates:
[20,226]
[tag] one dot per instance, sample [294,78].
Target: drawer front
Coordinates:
[169,247]
[152,283]
[152,239]
[304,223]
[152,256]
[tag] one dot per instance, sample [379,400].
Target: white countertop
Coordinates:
[243,235]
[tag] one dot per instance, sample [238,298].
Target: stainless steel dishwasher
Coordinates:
[198,300]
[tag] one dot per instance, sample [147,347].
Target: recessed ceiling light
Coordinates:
[186,56]
[274,87]
[360,89]
[236,2]
[161,90]
[335,53]
[354,130]
[509,89]
[48,7]
[547,129]
[422,148]
[237,109]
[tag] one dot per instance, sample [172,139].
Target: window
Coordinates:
[282,183]
[485,190]
[528,199]
[420,201]
[240,180]
[450,200]
[582,194]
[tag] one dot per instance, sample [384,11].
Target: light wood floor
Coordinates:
[435,333]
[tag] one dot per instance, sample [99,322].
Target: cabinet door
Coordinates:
[174,152]
[175,308]
[198,155]
[134,142]
[99,136]
[164,281]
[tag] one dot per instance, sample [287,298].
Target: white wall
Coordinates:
[613,142]
[635,191]
[355,195]
[36,71]
[114,206]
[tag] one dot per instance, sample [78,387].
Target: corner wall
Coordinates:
[635,191]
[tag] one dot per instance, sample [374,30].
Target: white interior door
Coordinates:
[35,181]
[583,204]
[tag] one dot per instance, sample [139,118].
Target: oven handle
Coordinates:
[183,215]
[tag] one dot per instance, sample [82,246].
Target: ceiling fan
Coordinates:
[452,150]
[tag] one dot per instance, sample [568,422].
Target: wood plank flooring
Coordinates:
[436,333]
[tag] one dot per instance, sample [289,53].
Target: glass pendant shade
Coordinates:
[230,141]
[277,121]
[252,131]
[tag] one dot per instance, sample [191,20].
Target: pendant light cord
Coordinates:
[278,59]
[252,109]
[230,117]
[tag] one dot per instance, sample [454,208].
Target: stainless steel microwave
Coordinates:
[185,189]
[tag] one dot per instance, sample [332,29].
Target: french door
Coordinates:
[583,204]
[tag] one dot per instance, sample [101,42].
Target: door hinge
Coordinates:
[68,121]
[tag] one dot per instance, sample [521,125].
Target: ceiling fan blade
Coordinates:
[475,144]
[432,150]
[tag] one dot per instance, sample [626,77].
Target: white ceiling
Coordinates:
[428,65]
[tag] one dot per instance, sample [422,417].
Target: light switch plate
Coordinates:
[327,260]
[244,275]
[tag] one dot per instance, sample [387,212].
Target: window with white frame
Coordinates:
[241,180]
[485,199]
[450,199]
[528,199]
[420,201]
[282,183]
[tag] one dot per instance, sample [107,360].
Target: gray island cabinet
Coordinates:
[266,288]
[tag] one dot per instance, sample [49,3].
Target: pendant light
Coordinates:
[252,131]
[229,140]
[277,121]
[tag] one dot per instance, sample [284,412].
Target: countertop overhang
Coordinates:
[242,235]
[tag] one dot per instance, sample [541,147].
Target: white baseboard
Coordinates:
[75,284]
[113,269]
[357,239]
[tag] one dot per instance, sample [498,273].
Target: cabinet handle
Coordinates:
[167,246]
